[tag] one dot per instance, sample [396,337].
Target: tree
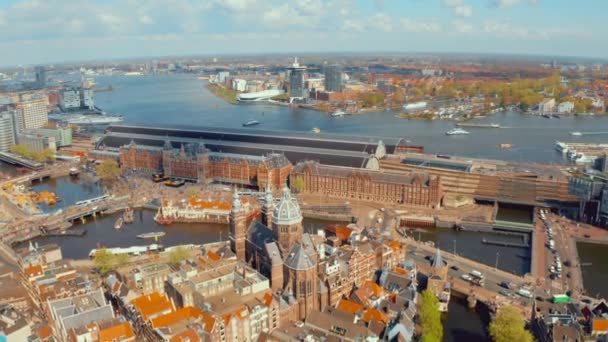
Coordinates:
[48,154]
[120,260]
[179,254]
[298,184]
[104,260]
[509,326]
[430,318]
[108,170]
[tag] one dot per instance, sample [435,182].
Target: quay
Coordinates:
[14,159]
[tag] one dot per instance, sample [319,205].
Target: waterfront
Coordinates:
[469,245]
[70,190]
[595,276]
[183,99]
[101,232]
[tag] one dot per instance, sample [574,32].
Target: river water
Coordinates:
[183,99]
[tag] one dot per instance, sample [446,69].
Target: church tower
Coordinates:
[267,208]
[302,280]
[238,227]
[287,221]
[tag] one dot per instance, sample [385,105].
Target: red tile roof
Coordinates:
[347,306]
[151,304]
[117,333]
[599,325]
[177,316]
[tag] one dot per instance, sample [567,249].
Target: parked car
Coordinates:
[505,293]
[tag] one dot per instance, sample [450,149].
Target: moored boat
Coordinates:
[251,123]
[74,172]
[316,130]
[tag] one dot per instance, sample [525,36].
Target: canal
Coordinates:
[463,324]
[69,190]
[469,245]
[595,270]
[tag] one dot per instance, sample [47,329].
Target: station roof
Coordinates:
[292,152]
[281,138]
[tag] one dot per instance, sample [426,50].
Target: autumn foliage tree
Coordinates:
[108,170]
[509,326]
[430,318]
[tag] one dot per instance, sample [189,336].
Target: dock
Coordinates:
[505,243]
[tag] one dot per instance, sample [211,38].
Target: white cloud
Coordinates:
[459,8]
[286,15]
[353,25]
[462,26]
[511,3]
[382,22]
[506,29]
[421,26]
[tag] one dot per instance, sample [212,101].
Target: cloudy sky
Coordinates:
[45,31]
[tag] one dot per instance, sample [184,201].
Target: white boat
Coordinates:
[316,130]
[118,223]
[338,113]
[457,131]
[251,123]
[576,134]
[134,73]
[152,235]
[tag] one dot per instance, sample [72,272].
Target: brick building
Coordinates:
[419,189]
[195,162]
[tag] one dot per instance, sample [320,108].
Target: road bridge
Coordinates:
[14,159]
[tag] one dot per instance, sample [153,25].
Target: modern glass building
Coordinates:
[296,82]
[333,78]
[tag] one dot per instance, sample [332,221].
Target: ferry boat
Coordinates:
[118,223]
[457,131]
[152,235]
[338,113]
[576,134]
[251,123]
[316,130]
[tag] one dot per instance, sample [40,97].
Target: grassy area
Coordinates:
[228,95]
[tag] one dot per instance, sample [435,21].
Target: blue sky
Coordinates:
[45,31]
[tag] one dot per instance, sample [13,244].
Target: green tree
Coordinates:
[23,151]
[509,326]
[48,154]
[430,318]
[121,260]
[298,184]
[108,170]
[179,254]
[104,260]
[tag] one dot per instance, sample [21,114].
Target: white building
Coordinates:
[239,84]
[547,106]
[70,98]
[86,98]
[597,103]
[7,131]
[222,76]
[565,107]
[31,113]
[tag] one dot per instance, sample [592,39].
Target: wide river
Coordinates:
[183,99]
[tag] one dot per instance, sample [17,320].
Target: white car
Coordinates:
[466,277]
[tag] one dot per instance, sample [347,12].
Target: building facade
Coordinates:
[69,98]
[62,135]
[195,162]
[31,112]
[7,131]
[415,188]
[37,142]
[333,78]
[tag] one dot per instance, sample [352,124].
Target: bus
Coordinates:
[476,274]
[477,278]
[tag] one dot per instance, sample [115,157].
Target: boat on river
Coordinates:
[251,123]
[338,114]
[316,130]
[456,131]
[152,235]
[118,223]
[576,134]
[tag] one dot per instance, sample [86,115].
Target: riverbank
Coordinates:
[224,93]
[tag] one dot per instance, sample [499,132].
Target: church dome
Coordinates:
[287,211]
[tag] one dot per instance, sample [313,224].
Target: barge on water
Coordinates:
[133,250]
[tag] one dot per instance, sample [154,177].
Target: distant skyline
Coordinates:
[52,31]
